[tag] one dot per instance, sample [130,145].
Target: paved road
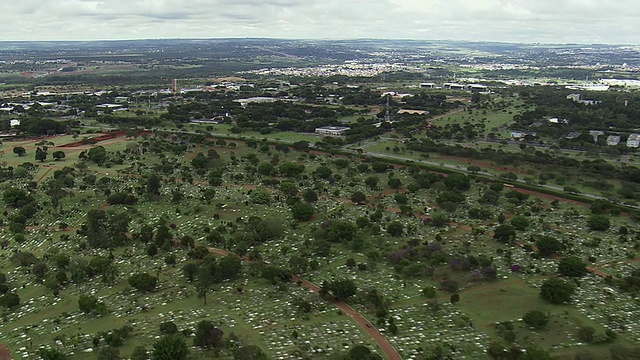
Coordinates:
[387,348]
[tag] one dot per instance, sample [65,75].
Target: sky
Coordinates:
[531,21]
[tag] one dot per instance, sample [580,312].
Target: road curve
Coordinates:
[387,348]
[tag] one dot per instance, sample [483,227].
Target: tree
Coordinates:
[143,282]
[323,172]
[537,319]
[556,290]
[205,281]
[229,267]
[520,222]
[505,233]
[302,211]
[10,300]
[168,327]
[455,298]
[97,155]
[358,197]
[51,354]
[208,335]
[87,303]
[429,292]
[58,155]
[599,222]
[548,245]
[170,347]
[572,266]
[19,150]
[342,288]
[371,181]
[190,270]
[395,229]
[310,196]
[41,155]
[153,184]
[394,183]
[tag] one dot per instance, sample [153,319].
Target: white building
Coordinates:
[633,141]
[613,140]
[332,130]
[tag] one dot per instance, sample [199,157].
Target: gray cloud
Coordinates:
[556,21]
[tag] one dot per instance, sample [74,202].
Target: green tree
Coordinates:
[395,229]
[519,222]
[168,328]
[302,211]
[505,233]
[170,347]
[10,300]
[143,282]
[58,155]
[537,319]
[51,354]
[19,150]
[41,155]
[97,155]
[548,245]
[572,266]
[599,222]
[208,335]
[310,196]
[153,184]
[556,290]
[359,197]
[205,281]
[342,288]
[372,181]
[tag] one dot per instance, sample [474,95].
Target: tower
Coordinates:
[387,115]
[174,85]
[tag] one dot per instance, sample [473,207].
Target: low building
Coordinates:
[453,86]
[332,130]
[477,88]
[595,134]
[109,106]
[633,141]
[413,112]
[613,140]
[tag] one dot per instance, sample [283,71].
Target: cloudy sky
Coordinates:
[549,21]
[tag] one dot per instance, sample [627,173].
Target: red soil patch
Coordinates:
[5,354]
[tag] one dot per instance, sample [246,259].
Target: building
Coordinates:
[596,134]
[453,86]
[477,88]
[257,100]
[633,141]
[413,112]
[613,140]
[332,130]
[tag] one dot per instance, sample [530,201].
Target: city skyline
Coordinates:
[545,21]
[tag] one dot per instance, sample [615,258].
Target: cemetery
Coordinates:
[438,263]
